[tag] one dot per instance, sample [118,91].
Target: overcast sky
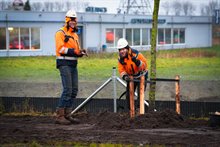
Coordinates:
[112,5]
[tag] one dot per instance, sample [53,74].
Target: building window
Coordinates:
[136,37]
[145,37]
[25,39]
[175,36]
[164,36]
[20,38]
[118,35]
[110,37]
[128,36]
[35,38]
[167,36]
[161,36]
[141,37]
[14,40]
[178,36]
[182,35]
[2,39]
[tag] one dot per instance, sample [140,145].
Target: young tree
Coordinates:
[177,8]
[153,55]
[208,10]
[166,6]
[3,5]
[27,6]
[188,8]
[37,6]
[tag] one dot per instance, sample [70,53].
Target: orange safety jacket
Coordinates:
[127,67]
[67,50]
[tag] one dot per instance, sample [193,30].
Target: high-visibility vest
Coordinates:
[62,47]
[127,66]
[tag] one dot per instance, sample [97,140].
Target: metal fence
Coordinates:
[48,104]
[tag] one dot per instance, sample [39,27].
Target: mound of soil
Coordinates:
[150,120]
[164,127]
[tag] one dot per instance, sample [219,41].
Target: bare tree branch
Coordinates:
[177,8]
[208,10]
[188,8]
[166,7]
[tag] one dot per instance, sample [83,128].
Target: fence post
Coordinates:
[142,80]
[177,85]
[114,88]
[131,96]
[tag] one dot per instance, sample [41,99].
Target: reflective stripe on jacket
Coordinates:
[71,46]
[127,66]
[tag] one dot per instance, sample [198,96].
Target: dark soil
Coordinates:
[161,128]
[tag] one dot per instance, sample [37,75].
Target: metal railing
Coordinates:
[114,79]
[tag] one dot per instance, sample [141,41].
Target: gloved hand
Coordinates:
[83,52]
[136,61]
[126,77]
[80,55]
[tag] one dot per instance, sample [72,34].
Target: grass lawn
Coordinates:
[190,64]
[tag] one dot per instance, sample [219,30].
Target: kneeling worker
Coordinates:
[131,63]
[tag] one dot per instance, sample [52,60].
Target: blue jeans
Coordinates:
[69,77]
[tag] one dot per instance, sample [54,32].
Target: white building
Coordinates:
[27,33]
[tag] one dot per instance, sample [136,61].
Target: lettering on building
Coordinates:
[146,21]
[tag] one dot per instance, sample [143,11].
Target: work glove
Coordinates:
[83,52]
[136,61]
[80,55]
[126,78]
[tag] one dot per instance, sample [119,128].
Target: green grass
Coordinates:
[28,68]
[190,68]
[190,64]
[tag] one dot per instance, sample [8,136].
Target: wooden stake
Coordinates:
[177,85]
[142,80]
[131,96]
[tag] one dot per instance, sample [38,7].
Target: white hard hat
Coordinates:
[71,13]
[122,43]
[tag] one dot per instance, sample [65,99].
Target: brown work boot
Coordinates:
[69,117]
[60,117]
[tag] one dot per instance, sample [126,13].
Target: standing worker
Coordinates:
[67,52]
[131,63]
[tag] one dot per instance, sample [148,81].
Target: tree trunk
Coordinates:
[153,55]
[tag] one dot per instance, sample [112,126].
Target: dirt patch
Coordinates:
[165,127]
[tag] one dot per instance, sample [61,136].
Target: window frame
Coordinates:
[165,32]
[19,37]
